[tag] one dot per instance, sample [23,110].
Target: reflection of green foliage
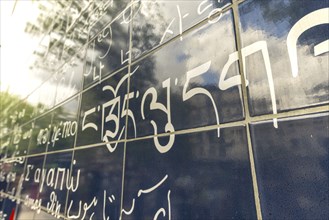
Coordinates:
[7,101]
[13,111]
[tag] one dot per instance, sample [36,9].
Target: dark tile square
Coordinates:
[54,190]
[200,177]
[292,166]
[34,177]
[100,180]
[102,115]
[46,95]
[41,134]
[104,52]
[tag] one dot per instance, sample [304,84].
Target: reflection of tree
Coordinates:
[59,41]
[7,102]
[18,113]
[50,26]
[64,27]
[13,111]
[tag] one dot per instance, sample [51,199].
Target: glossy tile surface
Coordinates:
[41,135]
[64,125]
[34,177]
[135,109]
[102,115]
[20,114]
[77,30]
[37,47]
[292,166]
[32,101]
[21,137]
[54,190]
[182,85]
[16,176]
[105,12]
[200,177]
[107,52]
[100,180]
[46,95]
[286,65]
[69,78]
[155,22]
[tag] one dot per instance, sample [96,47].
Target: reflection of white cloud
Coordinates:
[44,95]
[167,19]
[216,44]
[64,92]
[212,42]
[290,92]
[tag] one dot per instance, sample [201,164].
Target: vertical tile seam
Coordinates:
[43,165]
[236,18]
[44,162]
[73,147]
[127,108]
[79,95]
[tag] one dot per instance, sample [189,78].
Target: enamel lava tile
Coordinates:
[292,167]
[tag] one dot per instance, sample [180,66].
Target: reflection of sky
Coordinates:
[311,85]
[26,64]
[260,20]
[211,42]
[17,47]
[254,12]
[166,19]
[275,17]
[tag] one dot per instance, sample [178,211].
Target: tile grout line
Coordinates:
[73,148]
[23,175]
[236,19]
[138,59]
[78,121]
[43,165]
[209,128]
[127,109]
[323,110]
[247,121]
